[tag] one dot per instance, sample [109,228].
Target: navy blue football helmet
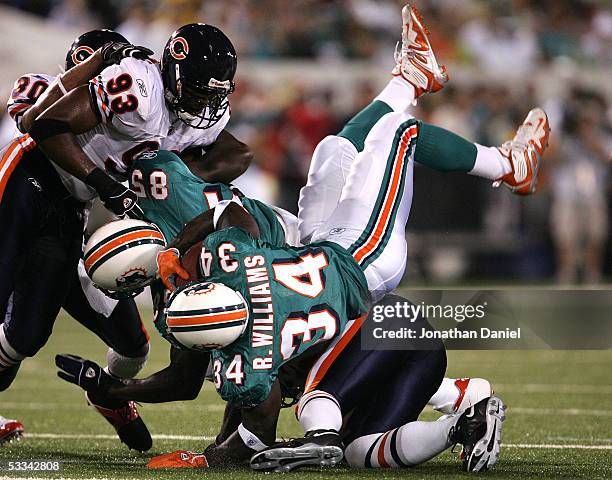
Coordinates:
[198,68]
[85,45]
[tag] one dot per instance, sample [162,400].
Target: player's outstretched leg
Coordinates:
[417,72]
[335,154]
[478,429]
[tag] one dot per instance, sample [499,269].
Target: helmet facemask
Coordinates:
[198,107]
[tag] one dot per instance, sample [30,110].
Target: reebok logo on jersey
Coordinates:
[336,231]
[141,87]
[147,155]
[34,182]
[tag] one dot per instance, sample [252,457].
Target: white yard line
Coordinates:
[560,411]
[581,439]
[85,436]
[195,407]
[553,388]
[551,446]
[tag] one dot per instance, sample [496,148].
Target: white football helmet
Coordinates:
[206,315]
[120,257]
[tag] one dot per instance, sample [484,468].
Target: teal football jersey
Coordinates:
[297,297]
[170,196]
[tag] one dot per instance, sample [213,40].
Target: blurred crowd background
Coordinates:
[306,66]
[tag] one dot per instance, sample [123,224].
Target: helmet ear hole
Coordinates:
[85,45]
[206,316]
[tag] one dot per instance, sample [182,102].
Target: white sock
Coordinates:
[120,366]
[398,94]
[318,410]
[446,395]
[408,445]
[490,163]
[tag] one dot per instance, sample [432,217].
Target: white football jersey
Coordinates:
[129,98]
[25,92]
[182,136]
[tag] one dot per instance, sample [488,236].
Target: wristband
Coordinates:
[251,440]
[60,84]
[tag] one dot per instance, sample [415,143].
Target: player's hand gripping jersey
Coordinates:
[170,196]
[297,297]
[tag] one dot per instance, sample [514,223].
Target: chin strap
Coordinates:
[120,295]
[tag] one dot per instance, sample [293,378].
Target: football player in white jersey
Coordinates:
[26,174]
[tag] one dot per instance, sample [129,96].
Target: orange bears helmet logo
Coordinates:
[179,48]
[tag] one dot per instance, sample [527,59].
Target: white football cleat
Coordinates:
[415,60]
[525,152]
[470,391]
[479,430]
[10,430]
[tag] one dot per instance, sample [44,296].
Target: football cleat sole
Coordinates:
[285,459]
[486,451]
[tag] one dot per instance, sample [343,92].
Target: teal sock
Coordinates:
[443,150]
[357,128]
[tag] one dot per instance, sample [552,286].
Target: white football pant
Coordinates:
[362,201]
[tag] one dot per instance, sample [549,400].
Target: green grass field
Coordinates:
[559,420]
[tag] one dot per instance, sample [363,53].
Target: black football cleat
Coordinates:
[321,448]
[479,430]
[125,419]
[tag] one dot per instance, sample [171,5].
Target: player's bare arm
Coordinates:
[196,230]
[223,161]
[182,379]
[80,75]
[56,128]
[55,133]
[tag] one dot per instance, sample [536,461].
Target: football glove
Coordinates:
[116,197]
[114,52]
[168,266]
[86,374]
[179,459]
